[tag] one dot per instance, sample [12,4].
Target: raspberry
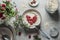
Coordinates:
[31,2]
[3,5]
[1,15]
[29,36]
[19,33]
[30,22]
[34,2]
[34,19]
[28,16]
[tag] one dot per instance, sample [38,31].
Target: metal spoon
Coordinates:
[44,34]
[5,37]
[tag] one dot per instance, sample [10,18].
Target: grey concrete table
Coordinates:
[22,5]
[46,19]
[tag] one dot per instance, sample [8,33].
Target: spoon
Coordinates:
[44,34]
[5,37]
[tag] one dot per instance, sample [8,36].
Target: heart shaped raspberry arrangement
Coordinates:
[30,20]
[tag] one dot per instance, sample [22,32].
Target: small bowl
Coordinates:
[54,33]
[33,28]
[49,4]
[34,5]
[7,32]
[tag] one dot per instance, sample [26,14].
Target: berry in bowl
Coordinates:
[32,19]
[33,3]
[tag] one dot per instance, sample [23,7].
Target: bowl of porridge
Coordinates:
[32,18]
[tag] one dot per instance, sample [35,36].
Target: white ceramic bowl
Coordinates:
[34,5]
[38,22]
[52,6]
